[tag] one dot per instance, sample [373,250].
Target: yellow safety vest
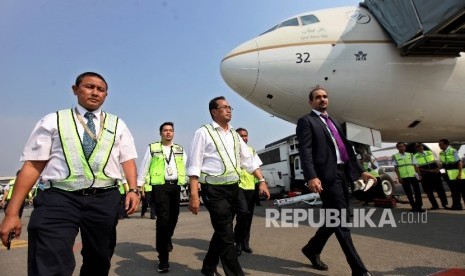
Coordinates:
[450,164]
[248,180]
[147,187]
[85,173]
[425,158]
[231,173]
[11,185]
[157,164]
[366,168]
[121,187]
[405,164]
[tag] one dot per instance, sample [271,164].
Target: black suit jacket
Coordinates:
[317,151]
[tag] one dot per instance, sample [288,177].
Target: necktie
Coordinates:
[87,142]
[337,137]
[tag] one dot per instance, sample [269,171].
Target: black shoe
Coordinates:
[209,271]
[169,247]
[362,274]
[154,217]
[247,249]
[446,207]
[434,208]
[314,258]
[163,267]
[238,249]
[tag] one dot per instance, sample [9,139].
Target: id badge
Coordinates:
[169,171]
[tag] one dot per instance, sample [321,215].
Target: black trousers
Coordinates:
[166,200]
[335,197]
[122,207]
[148,202]
[57,218]
[221,202]
[432,182]
[244,216]
[412,182]
[457,188]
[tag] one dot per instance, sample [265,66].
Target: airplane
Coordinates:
[372,88]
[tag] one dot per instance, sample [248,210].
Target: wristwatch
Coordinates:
[136,191]
[262,180]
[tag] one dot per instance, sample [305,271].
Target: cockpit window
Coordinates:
[290,22]
[309,19]
[270,29]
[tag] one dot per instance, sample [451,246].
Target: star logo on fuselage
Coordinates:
[360,56]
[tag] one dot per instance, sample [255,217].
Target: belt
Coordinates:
[341,166]
[89,191]
[171,182]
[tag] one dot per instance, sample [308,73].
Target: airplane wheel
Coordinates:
[387,185]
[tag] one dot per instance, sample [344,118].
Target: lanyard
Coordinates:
[171,154]
[86,128]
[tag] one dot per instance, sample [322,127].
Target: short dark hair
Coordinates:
[213,103]
[89,74]
[400,143]
[166,124]
[444,141]
[241,129]
[310,95]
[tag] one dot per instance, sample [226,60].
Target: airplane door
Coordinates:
[298,172]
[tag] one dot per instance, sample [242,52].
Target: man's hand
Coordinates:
[194,203]
[366,176]
[132,202]
[11,223]
[263,190]
[314,185]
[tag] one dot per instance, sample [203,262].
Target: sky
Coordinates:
[161,60]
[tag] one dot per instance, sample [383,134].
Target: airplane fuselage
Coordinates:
[369,83]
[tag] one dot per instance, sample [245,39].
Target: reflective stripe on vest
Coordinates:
[85,173]
[424,158]
[248,180]
[157,164]
[366,168]
[405,165]
[448,160]
[230,174]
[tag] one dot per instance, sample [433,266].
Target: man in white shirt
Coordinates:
[81,165]
[164,169]
[217,155]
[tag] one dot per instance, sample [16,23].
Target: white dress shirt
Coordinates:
[204,157]
[44,144]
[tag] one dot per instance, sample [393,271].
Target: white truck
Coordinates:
[281,166]
[283,173]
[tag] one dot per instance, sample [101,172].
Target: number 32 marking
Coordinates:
[303,57]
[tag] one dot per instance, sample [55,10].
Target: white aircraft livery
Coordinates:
[372,88]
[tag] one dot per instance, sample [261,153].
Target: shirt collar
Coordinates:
[83,111]
[319,113]
[218,127]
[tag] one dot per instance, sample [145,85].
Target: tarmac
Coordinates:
[398,243]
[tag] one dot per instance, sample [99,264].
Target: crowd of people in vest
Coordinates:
[422,167]
[85,160]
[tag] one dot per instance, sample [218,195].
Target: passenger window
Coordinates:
[309,19]
[290,22]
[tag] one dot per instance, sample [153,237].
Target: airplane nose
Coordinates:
[239,68]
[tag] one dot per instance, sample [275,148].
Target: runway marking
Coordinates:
[16,244]
[451,272]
